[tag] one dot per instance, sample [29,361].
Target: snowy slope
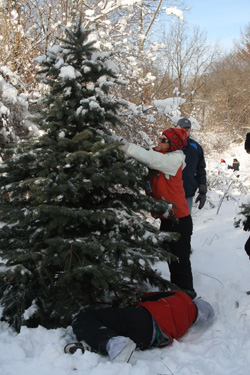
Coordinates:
[221,271]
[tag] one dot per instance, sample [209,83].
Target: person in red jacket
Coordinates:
[166,162]
[157,320]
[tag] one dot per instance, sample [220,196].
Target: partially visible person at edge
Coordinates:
[165,163]
[247,222]
[158,319]
[194,175]
[247,143]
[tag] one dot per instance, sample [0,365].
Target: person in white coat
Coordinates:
[165,163]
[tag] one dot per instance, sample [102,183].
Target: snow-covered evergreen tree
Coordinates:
[76,235]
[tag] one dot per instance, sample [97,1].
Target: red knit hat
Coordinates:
[177,138]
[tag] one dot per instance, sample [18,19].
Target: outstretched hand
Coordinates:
[123,144]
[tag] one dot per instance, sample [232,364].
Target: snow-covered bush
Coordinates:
[15,118]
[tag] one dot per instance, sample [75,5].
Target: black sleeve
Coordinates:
[201,174]
[246,226]
[247,247]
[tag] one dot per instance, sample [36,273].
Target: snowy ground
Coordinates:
[221,271]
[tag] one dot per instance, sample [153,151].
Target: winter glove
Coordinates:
[116,139]
[246,226]
[201,196]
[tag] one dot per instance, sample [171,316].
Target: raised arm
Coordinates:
[168,163]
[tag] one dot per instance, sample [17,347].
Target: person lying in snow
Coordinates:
[158,319]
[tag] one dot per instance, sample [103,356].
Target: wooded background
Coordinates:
[157,54]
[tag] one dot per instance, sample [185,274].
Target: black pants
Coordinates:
[180,271]
[98,326]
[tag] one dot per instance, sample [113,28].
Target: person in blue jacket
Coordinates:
[194,174]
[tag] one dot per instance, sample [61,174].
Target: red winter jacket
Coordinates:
[174,311]
[166,182]
[171,190]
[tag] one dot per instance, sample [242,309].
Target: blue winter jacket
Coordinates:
[194,174]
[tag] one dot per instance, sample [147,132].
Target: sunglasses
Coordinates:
[163,140]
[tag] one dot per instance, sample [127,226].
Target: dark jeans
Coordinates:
[98,326]
[180,271]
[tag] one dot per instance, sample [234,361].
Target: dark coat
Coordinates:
[247,247]
[194,174]
[247,143]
